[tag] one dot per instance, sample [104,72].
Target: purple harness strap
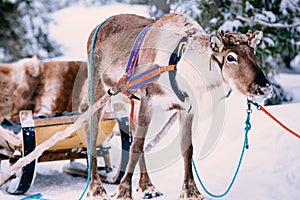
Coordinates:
[135,52]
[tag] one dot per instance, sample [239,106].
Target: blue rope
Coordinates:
[34,196]
[245,146]
[91,104]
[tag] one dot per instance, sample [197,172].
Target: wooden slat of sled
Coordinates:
[43,133]
[42,122]
[65,120]
[61,155]
[47,127]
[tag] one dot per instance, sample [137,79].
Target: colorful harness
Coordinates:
[130,81]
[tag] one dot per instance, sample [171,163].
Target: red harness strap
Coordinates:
[131,121]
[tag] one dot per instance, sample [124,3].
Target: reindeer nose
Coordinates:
[266,91]
[260,92]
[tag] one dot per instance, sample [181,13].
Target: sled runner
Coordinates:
[35,130]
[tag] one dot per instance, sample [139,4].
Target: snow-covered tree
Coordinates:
[24,30]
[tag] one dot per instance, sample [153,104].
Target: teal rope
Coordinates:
[91,104]
[34,196]
[245,146]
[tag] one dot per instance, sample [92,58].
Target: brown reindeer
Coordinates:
[231,55]
[45,87]
[19,83]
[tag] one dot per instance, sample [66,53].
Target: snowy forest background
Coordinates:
[24,28]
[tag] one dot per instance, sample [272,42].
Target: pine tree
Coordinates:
[24,31]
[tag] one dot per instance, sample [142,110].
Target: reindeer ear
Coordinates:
[216,43]
[254,38]
[34,66]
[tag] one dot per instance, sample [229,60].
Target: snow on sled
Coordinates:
[33,131]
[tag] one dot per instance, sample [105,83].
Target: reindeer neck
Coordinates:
[203,40]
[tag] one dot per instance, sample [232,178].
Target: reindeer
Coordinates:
[45,87]
[231,55]
[19,83]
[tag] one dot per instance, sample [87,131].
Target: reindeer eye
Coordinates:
[231,57]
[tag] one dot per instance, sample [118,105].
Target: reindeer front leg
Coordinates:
[189,189]
[145,183]
[137,147]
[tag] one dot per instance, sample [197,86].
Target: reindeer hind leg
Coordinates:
[96,189]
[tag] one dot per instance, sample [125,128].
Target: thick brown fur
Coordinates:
[43,87]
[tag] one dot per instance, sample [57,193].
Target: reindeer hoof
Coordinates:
[151,192]
[101,197]
[123,192]
[192,196]
[97,191]
[99,194]
[123,198]
[151,195]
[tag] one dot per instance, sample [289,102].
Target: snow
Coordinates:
[269,41]
[286,5]
[74,24]
[295,63]
[270,16]
[231,26]
[270,169]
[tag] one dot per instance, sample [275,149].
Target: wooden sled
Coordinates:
[36,131]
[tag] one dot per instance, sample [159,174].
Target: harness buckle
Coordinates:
[113,91]
[120,86]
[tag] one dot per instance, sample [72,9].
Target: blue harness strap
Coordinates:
[148,76]
[129,80]
[135,51]
[144,75]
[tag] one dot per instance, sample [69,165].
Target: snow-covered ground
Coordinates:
[270,169]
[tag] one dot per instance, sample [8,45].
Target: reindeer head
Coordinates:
[235,56]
